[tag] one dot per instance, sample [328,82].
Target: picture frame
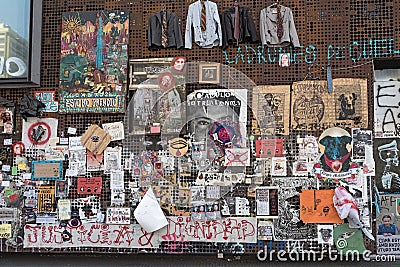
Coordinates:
[209,73]
[45,170]
[7,120]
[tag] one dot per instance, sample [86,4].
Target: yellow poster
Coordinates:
[5,231]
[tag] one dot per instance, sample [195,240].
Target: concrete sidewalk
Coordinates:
[141,260]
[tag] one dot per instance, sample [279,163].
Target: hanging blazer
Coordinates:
[247,28]
[154,33]
[268,28]
[213,33]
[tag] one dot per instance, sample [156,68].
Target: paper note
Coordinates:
[149,214]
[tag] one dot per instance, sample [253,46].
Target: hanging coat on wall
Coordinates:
[269,27]
[154,32]
[247,28]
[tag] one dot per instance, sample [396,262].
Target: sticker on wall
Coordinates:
[325,234]
[37,133]
[335,163]
[46,198]
[269,147]
[49,99]
[95,139]
[386,115]
[289,225]
[89,186]
[238,157]
[118,216]
[351,105]
[112,159]
[94,61]
[265,230]
[278,166]
[178,146]
[115,130]
[267,202]
[388,224]
[348,239]
[94,162]
[62,188]
[43,170]
[271,105]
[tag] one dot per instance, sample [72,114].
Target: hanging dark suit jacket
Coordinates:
[154,32]
[247,28]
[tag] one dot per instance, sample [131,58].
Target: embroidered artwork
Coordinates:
[271,105]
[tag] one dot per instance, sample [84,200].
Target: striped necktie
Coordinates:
[164,37]
[203,16]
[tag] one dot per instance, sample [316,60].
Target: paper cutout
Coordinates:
[316,206]
[115,130]
[46,170]
[325,234]
[95,139]
[149,214]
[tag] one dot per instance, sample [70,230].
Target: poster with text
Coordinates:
[386,109]
[388,225]
[94,61]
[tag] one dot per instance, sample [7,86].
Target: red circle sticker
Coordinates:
[39,133]
[166,80]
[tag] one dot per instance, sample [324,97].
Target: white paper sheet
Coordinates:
[149,214]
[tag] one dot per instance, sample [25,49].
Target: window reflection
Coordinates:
[14,38]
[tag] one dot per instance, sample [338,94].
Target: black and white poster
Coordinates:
[387,170]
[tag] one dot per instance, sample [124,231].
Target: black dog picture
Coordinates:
[336,156]
[347,105]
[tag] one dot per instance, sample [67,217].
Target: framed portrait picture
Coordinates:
[209,73]
[7,120]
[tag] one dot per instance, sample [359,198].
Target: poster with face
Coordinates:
[288,224]
[335,163]
[271,105]
[158,89]
[388,224]
[387,171]
[7,120]
[94,61]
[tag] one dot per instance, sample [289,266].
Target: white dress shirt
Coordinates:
[212,36]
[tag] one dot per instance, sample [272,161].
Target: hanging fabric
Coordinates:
[203,17]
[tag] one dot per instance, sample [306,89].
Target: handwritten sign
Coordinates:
[231,229]
[89,235]
[115,130]
[386,107]
[118,216]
